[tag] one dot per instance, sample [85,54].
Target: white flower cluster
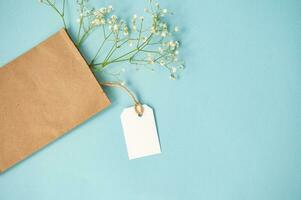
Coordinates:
[158,27]
[99,16]
[150,42]
[102,16]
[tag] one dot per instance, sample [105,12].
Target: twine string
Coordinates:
[138,106]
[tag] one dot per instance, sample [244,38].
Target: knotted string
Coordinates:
[138,106]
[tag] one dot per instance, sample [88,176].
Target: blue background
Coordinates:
[229,129]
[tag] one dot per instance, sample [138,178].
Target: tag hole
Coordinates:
[139,109]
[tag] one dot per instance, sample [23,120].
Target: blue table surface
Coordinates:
[229,128]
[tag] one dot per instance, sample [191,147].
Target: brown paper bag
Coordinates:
[43,94]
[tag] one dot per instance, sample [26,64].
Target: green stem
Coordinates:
[141,24]
[117,46]
[161,57]
[80,22]
[111,50]
[143,45]
[61,14]
[104,64]
[149,51]
[64,2]
[121,58]
[80,41]
[79,29]
[65,26]
[137,49]
[114,47]
[104,31]
[98,51]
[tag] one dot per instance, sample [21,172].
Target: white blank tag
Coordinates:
[140,132]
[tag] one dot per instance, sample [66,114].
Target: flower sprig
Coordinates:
[52,4]
[135,42]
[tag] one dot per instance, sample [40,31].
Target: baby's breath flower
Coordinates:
[176,29]
[110,8]
[114,19]
[173,70]
[148,44]
[172,44]
[164,34]
[150,59]
[173,77]
[162,63]
[102,21]
[175,59]
[125,30]
[134,20]
[144,39]
[98,13]
[160,49]
[134,28]
[115,27]
[95,22]
[103,11]
[153,30]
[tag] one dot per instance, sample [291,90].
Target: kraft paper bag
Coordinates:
[44,93]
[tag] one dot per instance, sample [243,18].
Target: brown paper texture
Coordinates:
[43,94]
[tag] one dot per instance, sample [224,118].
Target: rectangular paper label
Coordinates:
[140,132]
